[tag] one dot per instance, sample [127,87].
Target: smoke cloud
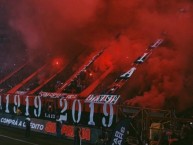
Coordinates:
[51,27]
[125,28]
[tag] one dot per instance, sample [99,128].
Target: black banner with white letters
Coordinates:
[120,132]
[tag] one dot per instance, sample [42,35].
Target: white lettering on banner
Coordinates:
[157,43]
[71,96]
[96,98]
[89,98]
[7,104]
[52,95]
[79,111]
[58,95]
[91,121]
[64,104]
[36,126]
[101,99]
[106,114]
[119,136]
[20,92]
[112,99]
[20,124]
[16,103]
[27,106]
[129,73]
[9,121]
[48,115]
[38,106]
[16,122]
[141,59]
[105,100]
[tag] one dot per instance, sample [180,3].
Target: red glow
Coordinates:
[90,74]
[57,62]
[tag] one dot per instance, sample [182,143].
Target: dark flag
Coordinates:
[120,132]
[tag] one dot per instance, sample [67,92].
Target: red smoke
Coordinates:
[126,28]
[51,27]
